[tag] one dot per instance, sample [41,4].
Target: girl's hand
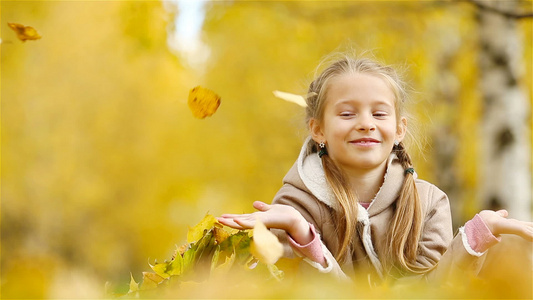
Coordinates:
[498,224]
[273,216]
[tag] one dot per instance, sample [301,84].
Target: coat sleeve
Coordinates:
[437,230]
[446,254]
[508,263]
[313,212]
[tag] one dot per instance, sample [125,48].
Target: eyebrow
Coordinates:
[375,102]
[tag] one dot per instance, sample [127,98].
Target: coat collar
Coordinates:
[311,174]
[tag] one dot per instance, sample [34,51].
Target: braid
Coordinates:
[405,230]
[403,156]
[346,218]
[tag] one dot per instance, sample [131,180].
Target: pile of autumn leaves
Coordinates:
[213,252]
[221,262]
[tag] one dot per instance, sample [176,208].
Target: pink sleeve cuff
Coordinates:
[312,250]
[479,236]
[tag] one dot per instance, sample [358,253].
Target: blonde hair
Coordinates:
[404,232]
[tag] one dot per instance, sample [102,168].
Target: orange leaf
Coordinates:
[24,32]
[203,102]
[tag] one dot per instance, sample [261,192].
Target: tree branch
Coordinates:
[509,14]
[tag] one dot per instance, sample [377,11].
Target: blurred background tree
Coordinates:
[104,165]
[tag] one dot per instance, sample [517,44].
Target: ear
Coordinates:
[316,131]
[401,129]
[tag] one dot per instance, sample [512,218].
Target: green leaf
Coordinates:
[206,246]
[160,269]
[188,259]
[240,244]
[214,259]
[176,266]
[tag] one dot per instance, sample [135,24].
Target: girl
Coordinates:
[352,203]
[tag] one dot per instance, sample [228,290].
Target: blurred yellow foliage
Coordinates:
[103,164]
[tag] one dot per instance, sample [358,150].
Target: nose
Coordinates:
[365,123]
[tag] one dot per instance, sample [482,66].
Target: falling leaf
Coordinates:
[24,32]
[203,102]
[291,98]
[265,245]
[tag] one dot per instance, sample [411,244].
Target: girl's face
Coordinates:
[359,123]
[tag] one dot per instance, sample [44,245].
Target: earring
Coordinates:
[323,150]
[396,143]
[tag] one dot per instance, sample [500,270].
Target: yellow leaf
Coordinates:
[220,234]
[176,266]
[24,32]
[134,286]
[203,102]
[160,269]
[150,281]
[291,98]
[197,232]
[265,245]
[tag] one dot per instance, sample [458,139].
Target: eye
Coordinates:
[380,114]
[346,114]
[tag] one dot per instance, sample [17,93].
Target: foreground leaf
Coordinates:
[265,246]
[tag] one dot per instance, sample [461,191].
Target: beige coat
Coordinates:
[306,190]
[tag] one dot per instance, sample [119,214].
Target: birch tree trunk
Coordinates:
[504,162]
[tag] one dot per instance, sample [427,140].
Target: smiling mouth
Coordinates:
[365,142]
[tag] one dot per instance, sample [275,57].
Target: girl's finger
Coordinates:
[261,206]
[246,223]
[527,231]
[233,216]
[230,223]
[504,213]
